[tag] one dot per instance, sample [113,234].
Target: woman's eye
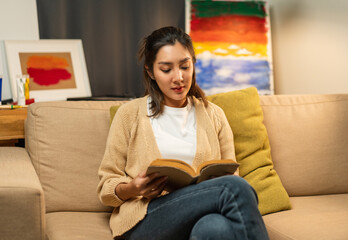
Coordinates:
[165,70]
[185,67]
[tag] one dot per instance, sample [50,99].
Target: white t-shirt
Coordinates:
[175,132]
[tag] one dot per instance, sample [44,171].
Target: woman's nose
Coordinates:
[178,75]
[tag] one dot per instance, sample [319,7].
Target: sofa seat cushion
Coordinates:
[313,217]
[78,225]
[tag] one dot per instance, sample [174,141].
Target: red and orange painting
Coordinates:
[48,70]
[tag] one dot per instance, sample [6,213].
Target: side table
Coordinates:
[12,126]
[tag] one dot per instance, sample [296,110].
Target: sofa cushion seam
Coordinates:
[277,231]
[300,104]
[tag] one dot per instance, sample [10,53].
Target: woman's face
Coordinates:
[173,71]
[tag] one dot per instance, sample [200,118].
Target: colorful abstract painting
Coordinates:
[57,68]
[232,43]
[48,70]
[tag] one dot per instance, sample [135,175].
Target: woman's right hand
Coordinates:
[149,186]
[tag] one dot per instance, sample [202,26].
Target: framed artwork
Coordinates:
[57,68]
[233,44]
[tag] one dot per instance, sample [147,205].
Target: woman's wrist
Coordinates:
[123,191]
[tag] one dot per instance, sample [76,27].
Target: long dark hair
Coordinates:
[148,50]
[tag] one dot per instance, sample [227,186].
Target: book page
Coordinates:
[177,178]
[217,170]
[175,163]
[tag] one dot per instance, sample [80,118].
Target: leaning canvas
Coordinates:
[57,68]
[232,40]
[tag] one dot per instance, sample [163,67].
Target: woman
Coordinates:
[173,121]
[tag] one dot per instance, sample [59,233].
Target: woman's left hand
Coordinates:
[148,186]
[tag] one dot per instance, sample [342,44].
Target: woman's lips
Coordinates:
[178,89]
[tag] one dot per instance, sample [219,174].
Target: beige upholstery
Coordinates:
[65,142]
[312,218]
[22,211]
[78,225]
[309,142]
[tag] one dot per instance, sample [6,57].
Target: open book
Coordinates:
[181,174]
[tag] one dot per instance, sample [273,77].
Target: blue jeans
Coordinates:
[220,208]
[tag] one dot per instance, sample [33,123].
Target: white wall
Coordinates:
[18,21]
[310,46]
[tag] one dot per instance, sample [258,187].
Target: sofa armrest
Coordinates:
[22,207]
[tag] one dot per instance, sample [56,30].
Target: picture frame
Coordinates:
[56,67]
[232,39]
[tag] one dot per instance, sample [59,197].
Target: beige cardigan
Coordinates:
[131,146]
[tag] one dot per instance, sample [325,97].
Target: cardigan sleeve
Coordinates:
[112,168]
[226,139]
[225,135]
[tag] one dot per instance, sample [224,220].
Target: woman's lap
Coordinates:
[173,216]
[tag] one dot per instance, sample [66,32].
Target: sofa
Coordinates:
[48,188]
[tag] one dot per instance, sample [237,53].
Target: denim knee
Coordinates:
[211,227]
[238,185]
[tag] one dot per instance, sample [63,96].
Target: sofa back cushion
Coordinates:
[66,143]
[309,141]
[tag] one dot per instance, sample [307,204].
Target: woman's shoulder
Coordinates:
[211,111]
[133,107]
[133,104]
[210,108]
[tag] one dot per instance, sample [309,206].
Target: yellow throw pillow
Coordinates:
[113,111]
[253,152]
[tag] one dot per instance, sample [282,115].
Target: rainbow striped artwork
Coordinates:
[232,43]
[48,70]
